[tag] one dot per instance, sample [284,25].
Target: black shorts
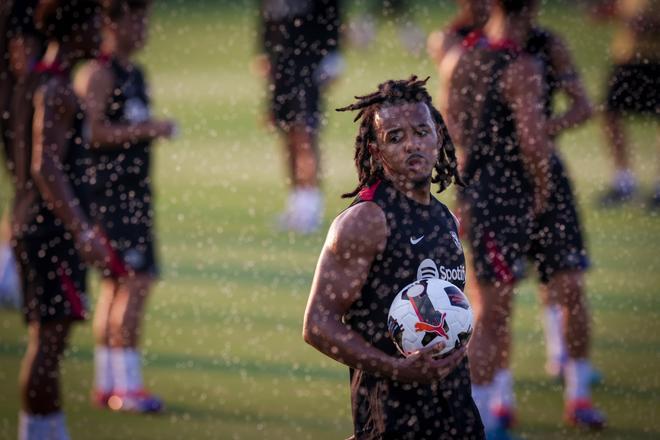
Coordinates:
[635,88]
[295,92]
[53,279]
[126,219]
[504,236]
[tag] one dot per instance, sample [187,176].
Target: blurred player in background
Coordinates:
[370,254]
[122,132]
[362,30]
[560,77]
[50,226]
[633,89]
[301,56]
[508,141]
[21,46]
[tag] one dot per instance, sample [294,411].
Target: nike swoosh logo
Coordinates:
[416,240]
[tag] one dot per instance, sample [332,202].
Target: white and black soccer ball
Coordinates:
[427,312]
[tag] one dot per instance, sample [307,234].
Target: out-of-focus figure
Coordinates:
[300,43]
[633,89]
[51,230]
[519,203]
[122,134]
[361,31]
[21,45]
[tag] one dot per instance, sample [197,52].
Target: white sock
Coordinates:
[306,209]
[503,390]
[482,396]
[103,369]
[625,180]
[578,376]
[555,346]
[126,370]
[42,427]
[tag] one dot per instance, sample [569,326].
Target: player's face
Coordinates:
[407,142]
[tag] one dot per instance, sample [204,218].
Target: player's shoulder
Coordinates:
[95,73]
[363,224]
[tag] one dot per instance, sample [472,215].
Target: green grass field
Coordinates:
[223,334]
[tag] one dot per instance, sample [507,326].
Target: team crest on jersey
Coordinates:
[457,242]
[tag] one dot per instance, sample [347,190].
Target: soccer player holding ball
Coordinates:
[122,132]
[393,234]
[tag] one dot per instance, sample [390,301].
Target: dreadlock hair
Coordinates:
[395,92]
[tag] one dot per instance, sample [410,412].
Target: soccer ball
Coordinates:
[427,312]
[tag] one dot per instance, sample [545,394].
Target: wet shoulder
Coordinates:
[362,225]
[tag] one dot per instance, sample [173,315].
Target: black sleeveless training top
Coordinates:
[419,237]
[118,170]
[31,216]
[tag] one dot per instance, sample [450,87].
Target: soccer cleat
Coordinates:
[581,413]
[141,402]
[615,196]
[505,417]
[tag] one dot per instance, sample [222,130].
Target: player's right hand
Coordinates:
[92,248]
[427,367]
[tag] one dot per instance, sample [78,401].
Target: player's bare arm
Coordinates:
[580,108]
[523,89]
[356,237]
[55,109]
[94,84]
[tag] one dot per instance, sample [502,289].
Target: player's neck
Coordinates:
[419,192]
[61,55]
[501,27]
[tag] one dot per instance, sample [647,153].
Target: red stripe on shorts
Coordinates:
[503,272]
[72,294]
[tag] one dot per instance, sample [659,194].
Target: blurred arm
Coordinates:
[54,112]
[524,91]
[95,84]
[580,109]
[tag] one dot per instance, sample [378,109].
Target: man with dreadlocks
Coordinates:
[375,248]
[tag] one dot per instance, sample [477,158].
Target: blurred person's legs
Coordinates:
[634,89]
[305,201]
[490,352]
[53,282]
[566,288]
[117,329]
[624,183]
[296,110]
[41,414]
[118,381]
